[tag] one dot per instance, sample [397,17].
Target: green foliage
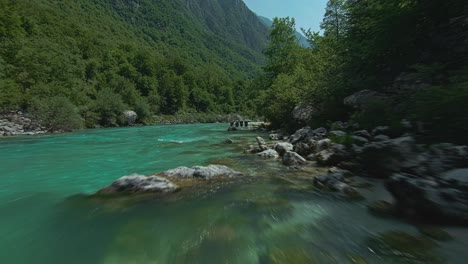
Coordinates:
[412,52]
[109,108]
[346,140]
[56,114]
[158,56]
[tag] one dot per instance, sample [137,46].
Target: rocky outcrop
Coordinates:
[430,198]
[18,123]
[140,184]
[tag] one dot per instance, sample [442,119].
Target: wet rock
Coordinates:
[302,149]
[333,155]
[253,149]
[209,172]
[269,153]
[261,144]
[140,184]
[283,147]
[232,129]
[291,158]
[228,141]
[430,198]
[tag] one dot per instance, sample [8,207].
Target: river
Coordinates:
[276,216]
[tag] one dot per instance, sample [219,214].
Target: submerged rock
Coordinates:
[261,144]
[335,181]
[140,184]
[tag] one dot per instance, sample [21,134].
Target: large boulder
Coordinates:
[382,159]
[361,99]
[300,135]
[130,116]
[283,147]
[292,158]
[302,149]
[140,184]
[332,155]
[209,172]
[430,198]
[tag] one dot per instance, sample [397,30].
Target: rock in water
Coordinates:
[262,144]
[292,158]
[209,172]
[432,198]
[269,153]
[140,184]
[283,147]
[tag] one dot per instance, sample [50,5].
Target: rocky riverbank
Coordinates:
[16,123]
[427,182]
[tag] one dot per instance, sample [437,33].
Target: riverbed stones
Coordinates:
[291,158]
[140,184]
[332,155]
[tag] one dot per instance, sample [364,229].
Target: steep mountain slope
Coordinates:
[154,56]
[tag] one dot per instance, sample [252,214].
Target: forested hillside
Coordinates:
[96,58]
[408,57]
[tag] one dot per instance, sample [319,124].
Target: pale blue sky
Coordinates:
[308,13]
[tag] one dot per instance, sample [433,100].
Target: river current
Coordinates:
[274,216]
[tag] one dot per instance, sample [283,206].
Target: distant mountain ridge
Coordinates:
[300,38]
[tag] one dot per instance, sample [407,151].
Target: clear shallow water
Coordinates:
[274,217]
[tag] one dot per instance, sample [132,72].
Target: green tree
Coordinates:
[56,114]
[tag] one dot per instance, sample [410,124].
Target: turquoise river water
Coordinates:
[274,215]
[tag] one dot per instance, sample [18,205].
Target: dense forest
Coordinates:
[91,60]
[411,55]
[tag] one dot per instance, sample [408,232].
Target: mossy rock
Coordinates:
[291,256]
[382,208]
[402,247]
[434,233]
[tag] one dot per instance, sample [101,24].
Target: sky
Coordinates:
[308,13]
